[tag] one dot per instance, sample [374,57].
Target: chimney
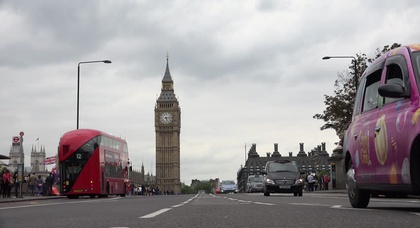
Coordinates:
[268,154]
[301,147]
[276,147]
[290,154]
[323,146]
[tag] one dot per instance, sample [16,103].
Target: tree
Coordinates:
[185,189]
[338,113]
[203,185]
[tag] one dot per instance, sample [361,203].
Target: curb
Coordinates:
[13,200]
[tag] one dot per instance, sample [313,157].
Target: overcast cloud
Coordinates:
[244,71]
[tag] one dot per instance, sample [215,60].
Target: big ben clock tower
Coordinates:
[168,129]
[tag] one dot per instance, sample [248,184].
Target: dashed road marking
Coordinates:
[156,213]
[260,203]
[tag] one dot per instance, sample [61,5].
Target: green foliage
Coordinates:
[339,107]
[202,185]
[206,186]
[185,189]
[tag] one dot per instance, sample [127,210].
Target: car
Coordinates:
[282,176]
[381,145]
[254,183]
[228,186]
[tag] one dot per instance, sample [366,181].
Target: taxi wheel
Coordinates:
[358,198]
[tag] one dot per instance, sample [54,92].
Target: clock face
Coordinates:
[166,118]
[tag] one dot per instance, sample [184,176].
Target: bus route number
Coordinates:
[78,156]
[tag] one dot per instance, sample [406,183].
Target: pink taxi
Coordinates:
[382,144]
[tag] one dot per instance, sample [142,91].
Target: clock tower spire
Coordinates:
[168,128]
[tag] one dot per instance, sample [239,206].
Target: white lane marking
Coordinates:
[244,201]
[415,213]
[156,213]
[61,203]
[337,206]
[178,205]
[167,209]
[269,204]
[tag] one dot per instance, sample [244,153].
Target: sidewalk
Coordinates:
[28,198]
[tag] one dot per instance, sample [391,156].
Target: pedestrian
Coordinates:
[1,183]
[32,184]
[16,183]
[28,186]
[311,182]
[49,182]
[326,180]
[39,183]
[7,182]
[316,183]
[132,186]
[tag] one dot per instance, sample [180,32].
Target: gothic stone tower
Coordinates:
[16,154]
[38,160]
[168,128]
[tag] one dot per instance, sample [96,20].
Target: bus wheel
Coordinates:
[92,196]
[122,195]
[358,198]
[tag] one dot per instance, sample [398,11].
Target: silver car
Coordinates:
[255,184]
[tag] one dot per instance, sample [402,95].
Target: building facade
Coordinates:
[168,129]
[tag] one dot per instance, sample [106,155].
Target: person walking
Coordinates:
[311,182]
[16,183]
[32,184]
[326,180]
[39,183]
[49,182]
[1,183]
[7,182]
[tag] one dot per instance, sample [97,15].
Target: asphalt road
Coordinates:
[205,210]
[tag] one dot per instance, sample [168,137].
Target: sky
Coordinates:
[245,72]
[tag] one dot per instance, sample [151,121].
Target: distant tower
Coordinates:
[142,172]
[16,154]
[38,159]
[168,128]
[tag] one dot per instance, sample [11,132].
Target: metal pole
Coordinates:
[78,85]
[345,57]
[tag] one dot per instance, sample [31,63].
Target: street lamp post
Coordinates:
[346,57]
[78,82]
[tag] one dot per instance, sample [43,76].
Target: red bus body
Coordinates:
[92,163]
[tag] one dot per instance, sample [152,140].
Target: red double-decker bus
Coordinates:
[92,163]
